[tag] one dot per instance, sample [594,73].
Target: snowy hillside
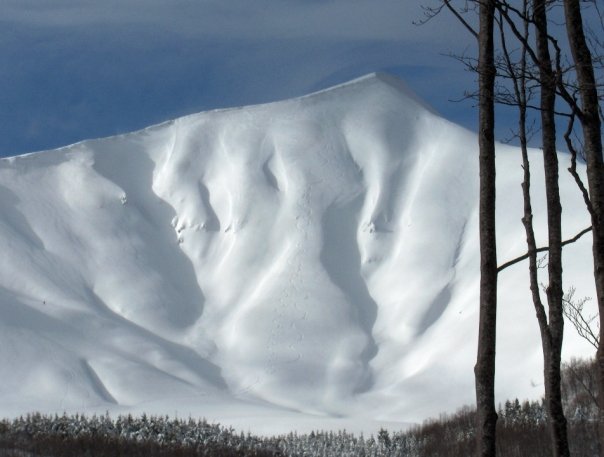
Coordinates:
[303,264]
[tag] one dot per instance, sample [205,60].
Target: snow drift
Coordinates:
[303,264]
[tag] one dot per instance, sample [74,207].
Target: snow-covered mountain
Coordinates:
[304,264]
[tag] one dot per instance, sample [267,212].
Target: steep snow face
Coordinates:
[274,266]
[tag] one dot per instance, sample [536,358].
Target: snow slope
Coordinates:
[304,264]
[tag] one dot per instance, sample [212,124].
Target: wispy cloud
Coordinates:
[335,19]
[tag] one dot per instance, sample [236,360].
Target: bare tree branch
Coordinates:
[573,167]
[574,312]
[461,18]
[543,249]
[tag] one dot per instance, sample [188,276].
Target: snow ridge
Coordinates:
[313,260]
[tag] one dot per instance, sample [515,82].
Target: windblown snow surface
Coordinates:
[311,263]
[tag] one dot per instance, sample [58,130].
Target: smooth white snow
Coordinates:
[306,264]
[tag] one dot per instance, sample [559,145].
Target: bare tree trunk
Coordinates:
[552,351]
[518,78]
[485,364]
[591,124]
[520,92]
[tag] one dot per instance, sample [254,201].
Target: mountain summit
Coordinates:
[305,260]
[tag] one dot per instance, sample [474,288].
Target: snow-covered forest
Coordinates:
[522,430]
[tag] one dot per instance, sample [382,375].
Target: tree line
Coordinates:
[522,431]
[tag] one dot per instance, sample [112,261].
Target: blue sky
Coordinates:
[72,70]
